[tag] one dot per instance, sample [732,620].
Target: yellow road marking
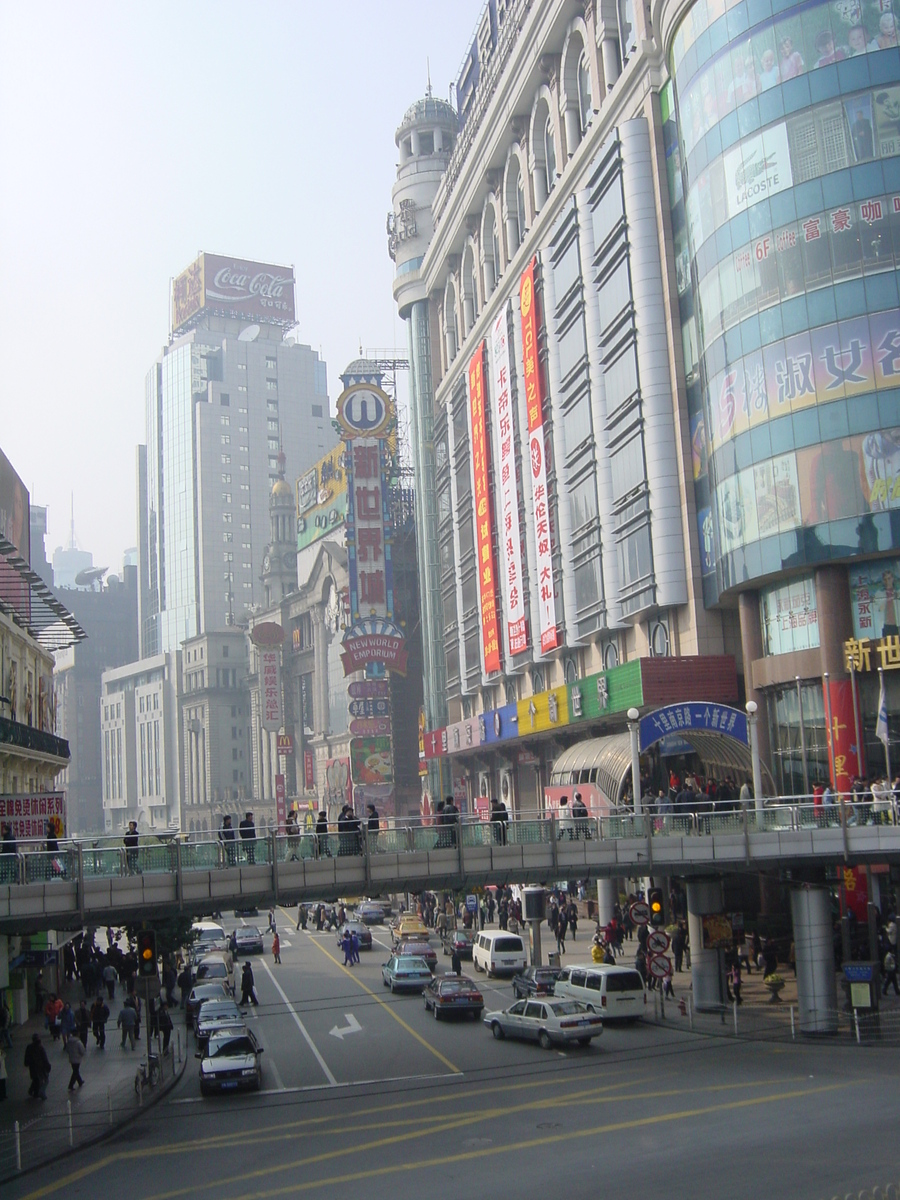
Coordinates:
[389,1009]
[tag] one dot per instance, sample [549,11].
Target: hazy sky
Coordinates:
[133,136]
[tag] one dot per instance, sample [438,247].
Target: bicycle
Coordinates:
[148,1073]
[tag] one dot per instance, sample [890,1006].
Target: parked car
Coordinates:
[216,989]
[230,1062]
[249,940]
[371,912]
[548,1022]
[535,981]
[417,946]
[460,940]
[405,973]
[449,994]
[217,1014]
[363,932]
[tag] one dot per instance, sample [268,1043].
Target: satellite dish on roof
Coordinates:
[250,334]
[90,576]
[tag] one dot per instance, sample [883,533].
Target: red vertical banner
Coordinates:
[309,778]
[280,803]
[537,453]
[856,892]
[484,529]
[842,749]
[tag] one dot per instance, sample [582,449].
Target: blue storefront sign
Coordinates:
[693,716]
[858,972]
[500,724]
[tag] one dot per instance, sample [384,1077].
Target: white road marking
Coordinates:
[324,1087]
[319,1059]
[352,1026]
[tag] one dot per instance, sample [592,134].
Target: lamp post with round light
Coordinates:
[751,707]
[634,730]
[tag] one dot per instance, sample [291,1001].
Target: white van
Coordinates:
[499,953]
[208,931]
[616,993]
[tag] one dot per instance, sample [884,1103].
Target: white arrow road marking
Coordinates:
[352,1026]
[319,1059]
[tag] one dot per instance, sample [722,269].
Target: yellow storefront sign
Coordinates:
[546,710]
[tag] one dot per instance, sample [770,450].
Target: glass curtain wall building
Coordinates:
[782,143]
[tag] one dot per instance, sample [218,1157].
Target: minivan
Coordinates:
[616,993]
[499,953]
[208,931]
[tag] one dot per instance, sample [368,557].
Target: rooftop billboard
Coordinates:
[322,497]
[233,287]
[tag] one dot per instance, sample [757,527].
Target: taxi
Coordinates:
[408,927]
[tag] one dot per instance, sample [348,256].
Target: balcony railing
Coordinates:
[25,737]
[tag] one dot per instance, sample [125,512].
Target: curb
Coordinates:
[110,1132]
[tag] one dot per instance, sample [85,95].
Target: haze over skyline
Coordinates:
[134,138]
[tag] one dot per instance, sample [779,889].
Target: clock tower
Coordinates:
[279,569]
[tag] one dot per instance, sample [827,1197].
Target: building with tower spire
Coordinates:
[279,564]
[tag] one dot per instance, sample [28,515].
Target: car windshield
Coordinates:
[565,1008]
[227,1047]
[456,985]
[627,981]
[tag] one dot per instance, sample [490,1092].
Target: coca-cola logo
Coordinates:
[233,283]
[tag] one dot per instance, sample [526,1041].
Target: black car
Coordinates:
[460,940]
[363,933]
[250,911]
[249,940]
[535,981]
[453,994]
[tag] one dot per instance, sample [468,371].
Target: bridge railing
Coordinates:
[81,860]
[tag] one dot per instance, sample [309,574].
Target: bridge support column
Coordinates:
[816,984]
[607,898]
[705,897]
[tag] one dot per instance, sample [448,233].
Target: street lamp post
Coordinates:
[634,730]
[754,756]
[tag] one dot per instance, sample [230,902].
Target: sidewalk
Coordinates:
[48,1128]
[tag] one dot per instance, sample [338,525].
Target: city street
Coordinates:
[364,1092]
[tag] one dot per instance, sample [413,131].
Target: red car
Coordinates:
[453,994]
[460,940]
[418,948]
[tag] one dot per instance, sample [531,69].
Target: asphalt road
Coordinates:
[366,1095]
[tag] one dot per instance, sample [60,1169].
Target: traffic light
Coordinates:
[657,918]
[146,947]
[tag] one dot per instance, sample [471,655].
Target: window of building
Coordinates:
[585,100]
[225,651]
[271,364]
[225,419]
[272,406]
[227,535]
[226,516]
[627,30]
[550,154]
[317,410]
[242,366]
[224,399]
[226,460]
[272,425]
[271,385]
[226,439]
[226,499]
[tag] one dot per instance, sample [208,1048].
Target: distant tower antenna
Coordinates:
[428,73]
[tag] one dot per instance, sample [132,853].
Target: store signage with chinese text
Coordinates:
[510,534]
[484,521]
[534,400]
[280,804]
[270,687]
[863,654]
[309,771]
[700,716]
[284,744]
[27,814]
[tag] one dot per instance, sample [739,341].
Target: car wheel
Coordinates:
[584,1041]
[497,1031]
[545,1040]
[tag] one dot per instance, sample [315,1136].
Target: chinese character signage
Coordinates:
[862,654]
[322,497]
[484,525]
[790,617]
[280,805]
[270,686]
[875,598]
[510,539]
[843,752]
[309,770]
[537,457]
[28,814]
[698,716]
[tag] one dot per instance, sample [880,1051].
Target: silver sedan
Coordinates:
[549,1022]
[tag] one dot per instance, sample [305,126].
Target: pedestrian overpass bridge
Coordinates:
[92,883]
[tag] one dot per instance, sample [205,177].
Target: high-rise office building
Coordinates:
[227,394]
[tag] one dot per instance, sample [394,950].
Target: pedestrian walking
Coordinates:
[347,947]
[38,1066]
[455,962]
[248,991]
[185,983]
[82,1022]
[126,1021]
[109,978]
[302,916]
[99,1017]
[562,924]
[668,989]
[66,1024]
[736,981]
[890,973]
[276,948]
[75,1051]
[247,830]
[165,1026]
[271,920]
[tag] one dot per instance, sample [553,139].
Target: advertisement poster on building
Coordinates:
[484,516]
[337,785]
[507,459]
[28,814]
[280,805]
[370,760]
[322,497]
[875,598]
[534,400]
[270,687]
[236,288]
[839,718]
[757,168]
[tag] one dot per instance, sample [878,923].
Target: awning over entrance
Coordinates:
[607,761]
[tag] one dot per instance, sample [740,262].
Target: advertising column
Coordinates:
[373,643]
[267,637]
[484,520]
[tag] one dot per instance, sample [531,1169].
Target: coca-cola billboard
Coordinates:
[233,287]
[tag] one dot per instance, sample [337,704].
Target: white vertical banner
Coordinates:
[510,539]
